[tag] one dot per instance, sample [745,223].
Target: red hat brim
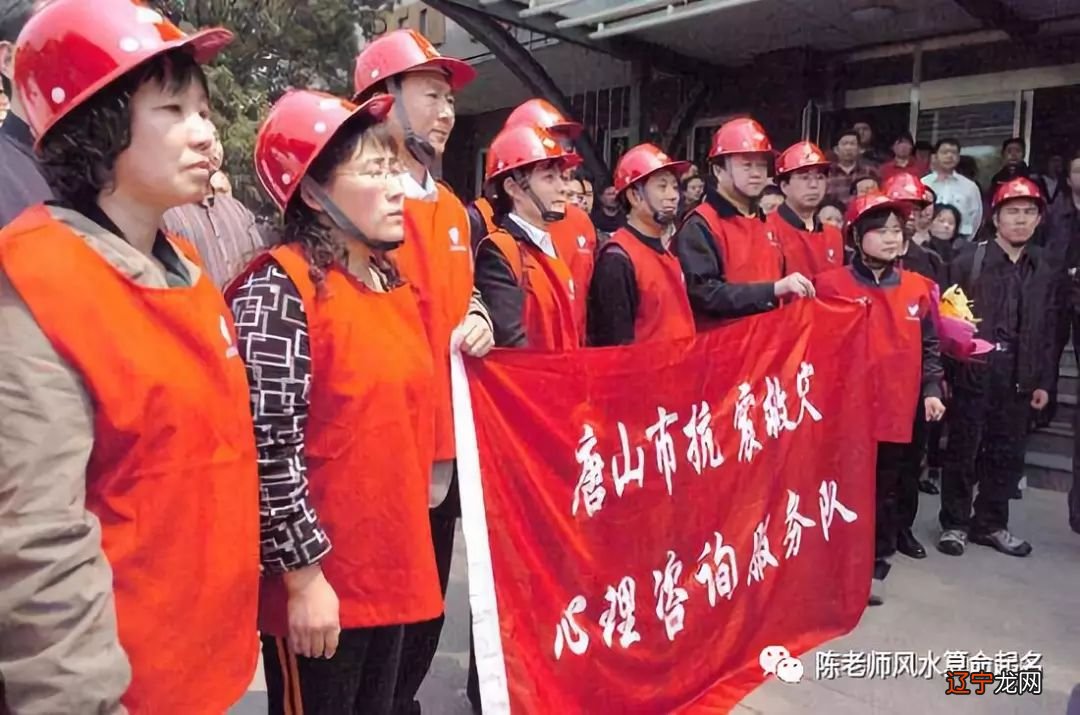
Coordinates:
[204,45]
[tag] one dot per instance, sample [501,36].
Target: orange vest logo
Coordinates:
[230,351]
[455,239]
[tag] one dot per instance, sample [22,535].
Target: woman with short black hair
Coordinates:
[905,358]
[130,504]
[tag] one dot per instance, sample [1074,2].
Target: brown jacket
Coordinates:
[59,651]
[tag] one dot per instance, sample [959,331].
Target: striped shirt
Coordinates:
[222,230]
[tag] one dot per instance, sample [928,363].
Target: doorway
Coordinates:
[980,124]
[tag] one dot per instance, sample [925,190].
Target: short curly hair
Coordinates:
[79,153]
[304,226]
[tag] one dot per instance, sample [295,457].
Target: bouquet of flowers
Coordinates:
[956,327]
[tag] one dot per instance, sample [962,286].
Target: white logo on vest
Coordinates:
[230,351]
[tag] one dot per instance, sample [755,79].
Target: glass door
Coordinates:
[981,125]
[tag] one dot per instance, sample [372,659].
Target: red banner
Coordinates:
[643,522]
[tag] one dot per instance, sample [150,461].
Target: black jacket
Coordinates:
[1061,227]
[1014,303]
[21,182]
[924,261]
[613,294]
[706,285]
[503,295]
[949,252]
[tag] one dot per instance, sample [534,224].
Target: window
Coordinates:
[423,22]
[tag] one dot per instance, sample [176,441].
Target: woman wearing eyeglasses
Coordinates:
[342,385]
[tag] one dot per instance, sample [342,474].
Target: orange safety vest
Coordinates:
[172,476]
[369,443]
[575,241]
[896,315]
[807,252]
[663,307]
[749,251]
[550,313]
[486,212]
[436,260]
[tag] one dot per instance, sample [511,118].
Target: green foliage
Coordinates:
[279,44]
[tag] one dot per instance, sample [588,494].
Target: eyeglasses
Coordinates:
[386,173]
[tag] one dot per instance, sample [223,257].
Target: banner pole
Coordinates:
[490,663]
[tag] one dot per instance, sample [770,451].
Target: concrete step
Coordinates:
[1049,441]
[1059,428]
[1068,384]
[1048,471]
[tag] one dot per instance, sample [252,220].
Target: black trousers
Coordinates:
[421,640]
[358,680]
[897,486]
[988,427]
[935,454]
[911,465]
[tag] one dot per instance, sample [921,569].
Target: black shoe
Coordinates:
[908,545]
[929,483]
[1003,541]
[952,542]
[877,592]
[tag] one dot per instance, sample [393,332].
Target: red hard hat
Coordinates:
[298,128]
[643,161]
[71,49]
[740,136]
[541,113]
[873,201]
[801,155]
[403,51]
[1018,188]
[906,187]
[518,147]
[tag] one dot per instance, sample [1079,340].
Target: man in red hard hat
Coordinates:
[574,236]
[436,259]
[534,112]
[731,260]
[638,292]
[1009,282]
[809,247]
[527,286]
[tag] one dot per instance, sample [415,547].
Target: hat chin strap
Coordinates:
[343,223]
[548,215]
[874,263]
[420,148]
[661,218]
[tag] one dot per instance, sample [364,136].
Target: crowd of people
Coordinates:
[213,435]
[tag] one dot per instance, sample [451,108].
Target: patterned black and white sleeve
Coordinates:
[272,333]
